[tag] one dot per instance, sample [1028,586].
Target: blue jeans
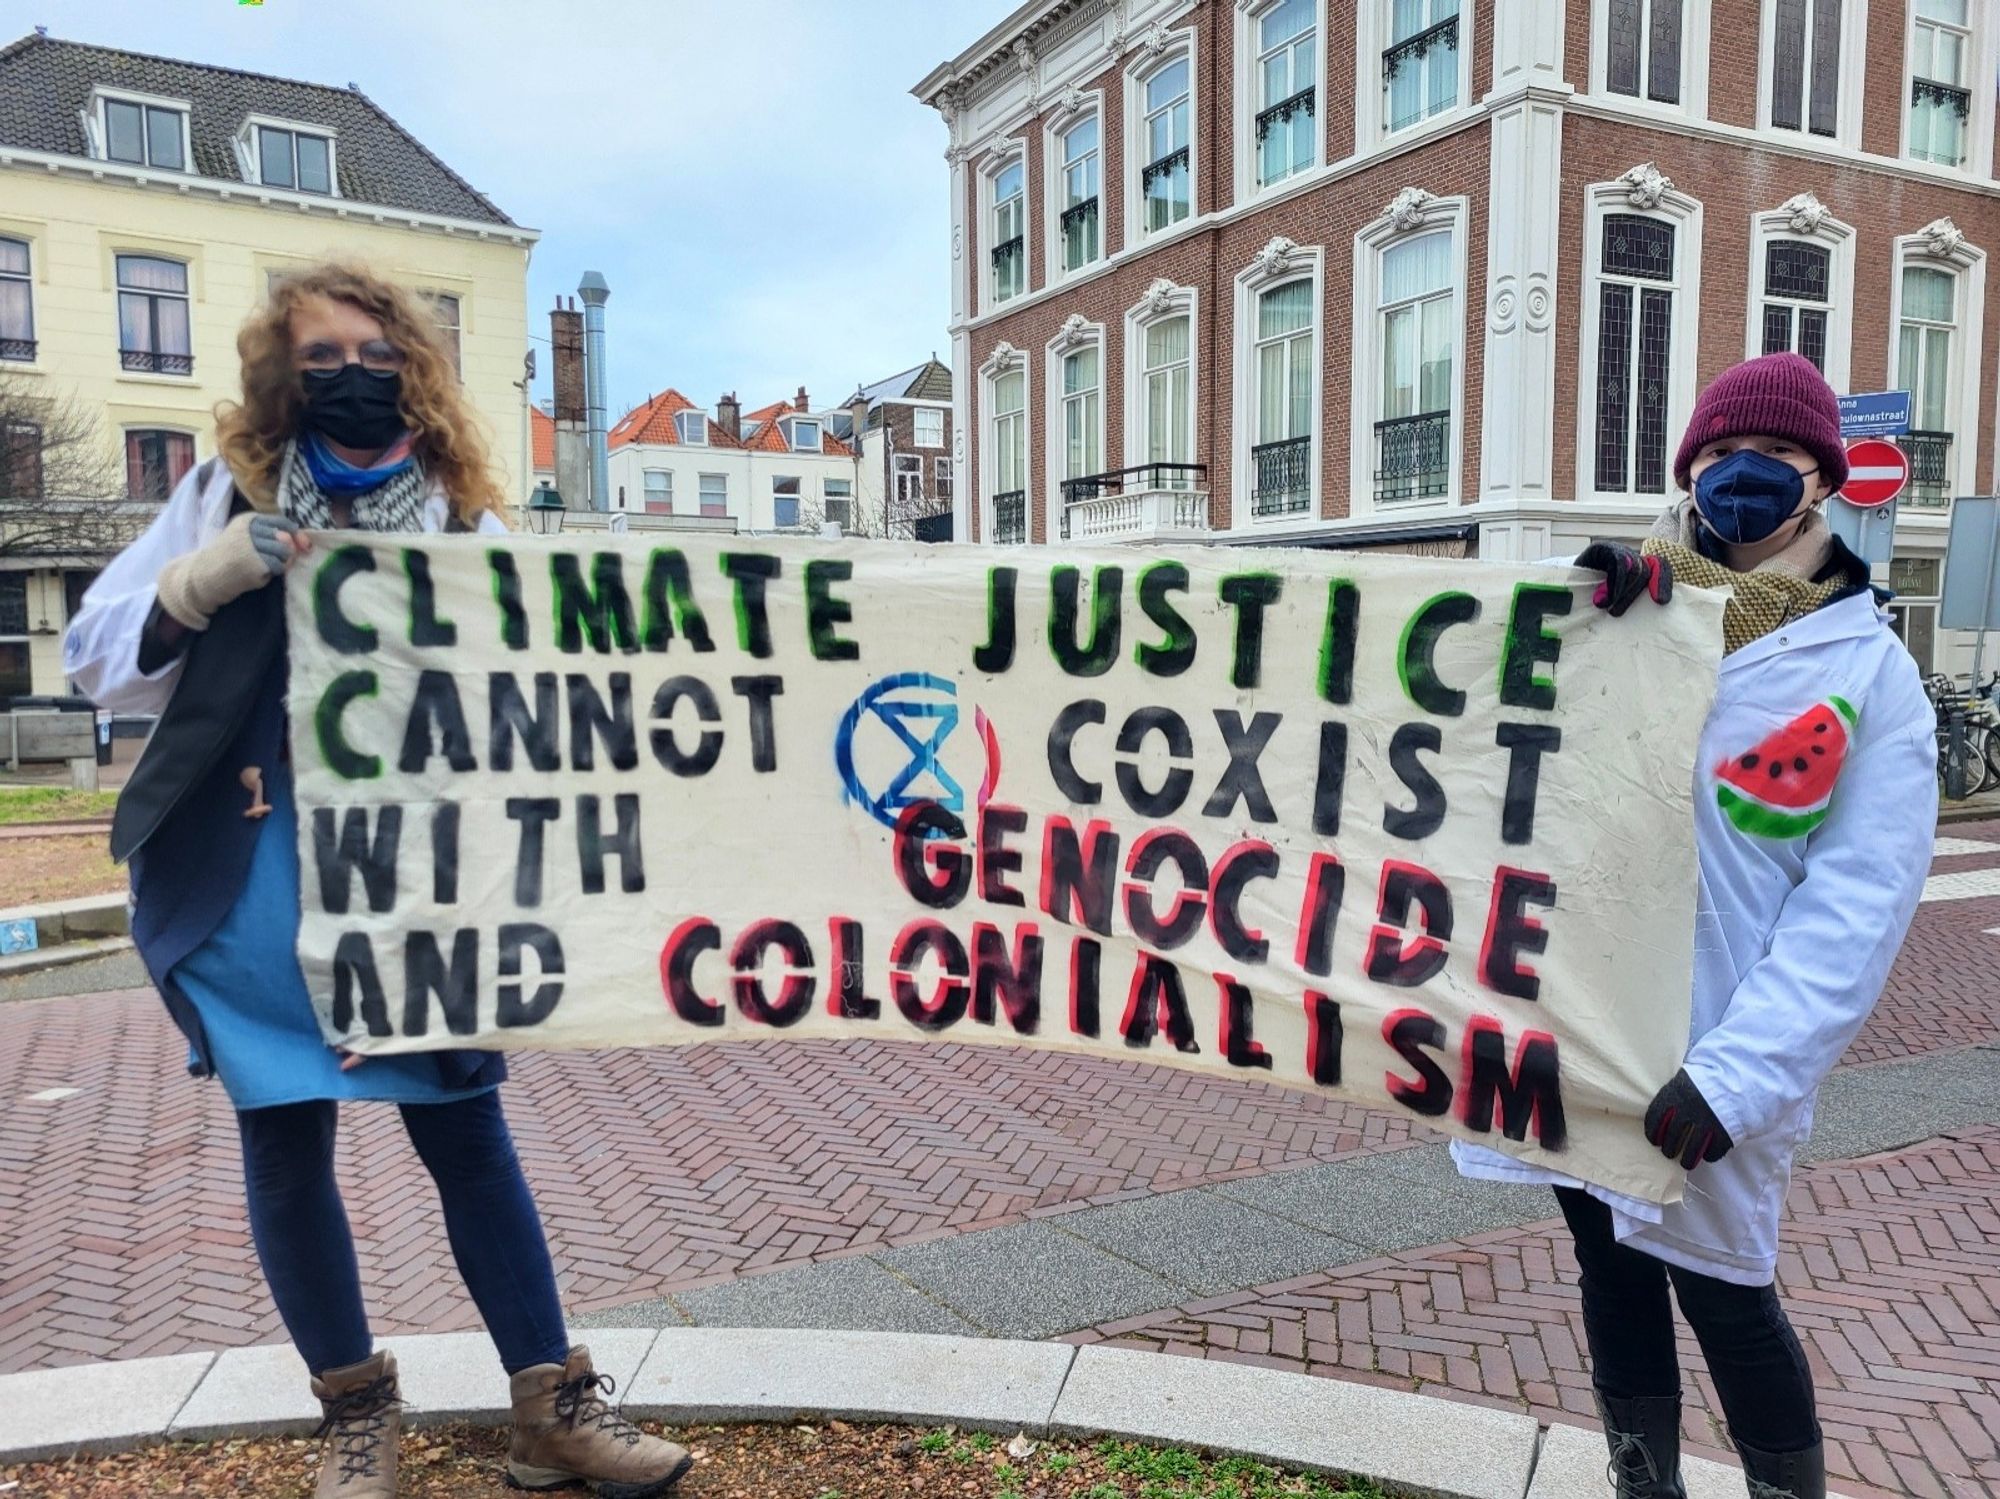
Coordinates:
[307,1250]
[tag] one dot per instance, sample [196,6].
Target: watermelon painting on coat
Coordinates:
[1783,786]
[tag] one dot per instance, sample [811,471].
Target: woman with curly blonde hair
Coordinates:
[351,419]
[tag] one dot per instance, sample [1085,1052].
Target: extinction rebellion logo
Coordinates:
[898,745]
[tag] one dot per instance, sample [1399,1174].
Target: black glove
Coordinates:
[1627,574]
[1682,1124]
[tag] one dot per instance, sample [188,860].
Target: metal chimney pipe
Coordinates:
[595,291]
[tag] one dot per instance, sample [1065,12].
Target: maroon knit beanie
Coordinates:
[1780,395]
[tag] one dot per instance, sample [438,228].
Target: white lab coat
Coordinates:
[101,647]
[1793,939]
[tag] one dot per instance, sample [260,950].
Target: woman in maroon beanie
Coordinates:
[1815,806]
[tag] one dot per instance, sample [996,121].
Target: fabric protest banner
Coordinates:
[1413,833]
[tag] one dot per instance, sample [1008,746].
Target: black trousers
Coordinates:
[1753,1355]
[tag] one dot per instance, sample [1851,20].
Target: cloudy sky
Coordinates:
[768,203]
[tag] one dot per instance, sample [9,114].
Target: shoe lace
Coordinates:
[1632,1468]
[1762,1490]
[578,1403]
[358,1419]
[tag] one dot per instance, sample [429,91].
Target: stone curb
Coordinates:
[1411,1444]
[42,959]
[60,921]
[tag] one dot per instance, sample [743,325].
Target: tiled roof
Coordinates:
[44,83]
[763,434]
[652,422]
[542,437]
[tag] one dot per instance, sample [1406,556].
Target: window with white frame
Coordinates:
[1642,41]
[143,134]
[153,330]
[692,428]
[1010,456]
[1082,401]
[941,484]
[1082,173]
[1167,400]
[837,497]
[1941,62]
[21,469]
[16,672]
[1636,293]
[1420,64]
[17,302]
[155,461]
[659,491]
[445,310]
[785,501]
[1165,176]
[1798,294]
[1009,253]
[714,494]
[1419,336]
[907,477]
[930,427]
[1917,583]
[1926,330]
[1281,458]
[1287,42]
[1805,66]
[295,159]
[805,435]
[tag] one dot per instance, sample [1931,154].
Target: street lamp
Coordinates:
[545,510]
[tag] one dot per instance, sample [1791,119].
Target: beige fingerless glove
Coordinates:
[250,551]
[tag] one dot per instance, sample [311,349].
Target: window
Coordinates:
[907,471]
[659,491]
[153,315]
[1940,93]
[1916,582]
[155,462]
[1167,408]
[1924,335]
[1418,333]
[1081,171]
[294,159]
[444,308]
[930,427]
[941,485]
[1805,65]
[785,501]
[1164,178]
[839,498]
[1420,66]
[15,675]
[144,135]
[1286,39]
[1796,294]
[17,302]
[1634,353]
[1643,49]
[1283,451]
[1010,261]
[1010,456]
[715,494]
[75,586]
[1081,402]
[20,462]
[805,436]
[692,428]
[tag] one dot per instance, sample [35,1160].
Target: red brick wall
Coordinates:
[1336,97]
[1882,91]
[1576,45]
[1734,58]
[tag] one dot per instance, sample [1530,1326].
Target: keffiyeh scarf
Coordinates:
[1778,591]
[394,504]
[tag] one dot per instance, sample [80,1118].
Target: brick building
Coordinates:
[1447,275]
[905,446]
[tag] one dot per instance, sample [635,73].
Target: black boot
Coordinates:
[1645,1439]
[1785,1475]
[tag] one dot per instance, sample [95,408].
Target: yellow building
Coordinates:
[145,205]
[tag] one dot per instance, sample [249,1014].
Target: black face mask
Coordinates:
[354,407]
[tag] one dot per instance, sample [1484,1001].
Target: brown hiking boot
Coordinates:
[564,1433]
[364,1417]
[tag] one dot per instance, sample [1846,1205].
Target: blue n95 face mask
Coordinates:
[1745,497]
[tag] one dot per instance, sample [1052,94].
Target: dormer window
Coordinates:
[693,428]
[142,133]
[294,159]
[805,436]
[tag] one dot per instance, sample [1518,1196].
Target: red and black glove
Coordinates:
[1627,574]
[1685,1128]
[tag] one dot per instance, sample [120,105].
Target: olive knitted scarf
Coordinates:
[1779,590]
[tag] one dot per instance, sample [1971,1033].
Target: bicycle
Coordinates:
[1968,737]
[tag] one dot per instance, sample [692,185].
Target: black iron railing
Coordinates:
[1281,113]
[17,348]
[152,362]
[1078,223]
[1009,257]
[1930,467]
[1164,168]
[1930,91]
[1413,456]
[1141,477]
[1416,48]
[1282,476]
[1010,517]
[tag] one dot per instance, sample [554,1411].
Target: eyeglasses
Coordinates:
[377,356]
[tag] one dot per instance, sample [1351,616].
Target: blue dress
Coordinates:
[244,982]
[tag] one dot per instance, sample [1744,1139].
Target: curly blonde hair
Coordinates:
[445,433]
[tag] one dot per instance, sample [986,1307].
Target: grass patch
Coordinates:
[20,804]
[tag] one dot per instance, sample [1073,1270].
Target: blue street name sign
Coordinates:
[1882,413]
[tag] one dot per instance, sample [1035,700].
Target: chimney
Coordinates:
[595,293]
[802,404]
[572,438]
[729,416]
[857,413]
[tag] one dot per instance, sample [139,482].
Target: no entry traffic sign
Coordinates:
[1876,473]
